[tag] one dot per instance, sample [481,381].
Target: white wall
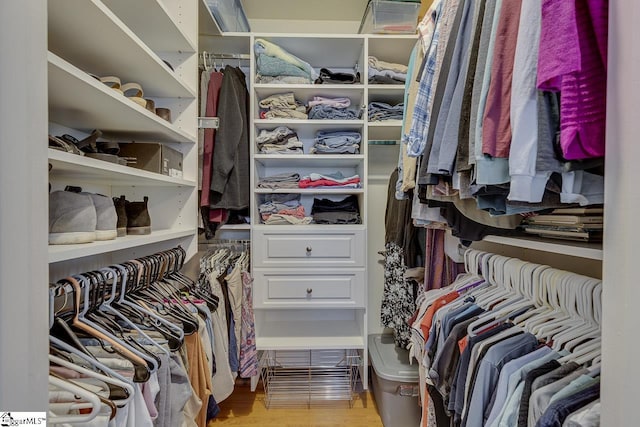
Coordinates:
[303,26]
[23,209]
[621,290]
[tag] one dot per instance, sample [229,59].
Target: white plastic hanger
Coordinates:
[89,373]
[91,400]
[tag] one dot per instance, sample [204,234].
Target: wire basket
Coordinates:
[309,377]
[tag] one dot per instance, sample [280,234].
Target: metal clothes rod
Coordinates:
[226,55]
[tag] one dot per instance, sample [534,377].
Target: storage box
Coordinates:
[229,14]
[152,157]
[390,17]
[394,383]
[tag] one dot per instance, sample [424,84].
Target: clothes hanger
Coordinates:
[148,359]
[93,362]
[170,309]
[588,305]
[105,378]
[91,401]
[79,322]
[173,334]
[105,306]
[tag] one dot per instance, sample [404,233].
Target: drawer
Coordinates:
[309,249]
[306,288]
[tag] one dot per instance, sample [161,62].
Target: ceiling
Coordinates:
[305,10]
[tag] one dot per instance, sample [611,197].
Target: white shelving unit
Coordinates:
[112,38]
[310,280]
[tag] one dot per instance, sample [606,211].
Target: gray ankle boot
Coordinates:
[106,217]
[72,218]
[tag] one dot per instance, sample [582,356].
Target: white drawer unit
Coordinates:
[309,249]
[301,288]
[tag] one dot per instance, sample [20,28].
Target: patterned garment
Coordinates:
[416,142]
[398,300]
[248,352]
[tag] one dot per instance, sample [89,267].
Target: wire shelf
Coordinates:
[309,377]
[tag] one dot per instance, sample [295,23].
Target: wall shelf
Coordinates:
[309,335]
[93,38]
[310,160]
[152,22]
[310,190]
[79,101]
[564,247]
[86,169]
[59,253]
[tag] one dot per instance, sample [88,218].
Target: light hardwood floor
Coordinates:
[244,408]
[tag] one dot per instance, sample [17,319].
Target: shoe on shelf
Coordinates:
[106,216]
[72,218]
[121,225]
[138,219]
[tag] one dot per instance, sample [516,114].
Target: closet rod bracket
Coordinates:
[208,122]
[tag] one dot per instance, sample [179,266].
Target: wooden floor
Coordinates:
[244,408]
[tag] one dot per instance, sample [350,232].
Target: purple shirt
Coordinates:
[572,61]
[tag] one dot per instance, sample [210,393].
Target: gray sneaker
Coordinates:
[106,217]
[72,218]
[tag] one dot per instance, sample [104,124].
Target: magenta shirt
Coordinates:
[572,61]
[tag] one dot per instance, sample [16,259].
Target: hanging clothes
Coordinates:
[488,354]
[144,333]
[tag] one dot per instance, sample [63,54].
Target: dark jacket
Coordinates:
[230,187]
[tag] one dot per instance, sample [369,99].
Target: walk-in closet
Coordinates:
[394,213]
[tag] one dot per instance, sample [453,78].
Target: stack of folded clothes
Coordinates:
[379,111]
[381,72]
[337,179]
[282,209]
[321,108]
[276,65]
[280,140]
[345,211]
[329,77]
[281,180]
[282,106]
[336,142]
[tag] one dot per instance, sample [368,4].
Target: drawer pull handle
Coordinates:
[309,249]
[309,290]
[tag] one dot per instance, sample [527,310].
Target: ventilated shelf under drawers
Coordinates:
[309,377]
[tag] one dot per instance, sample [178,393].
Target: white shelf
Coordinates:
[89,35]
[309,160]
[331,51]
[310,191]
[207,25]
[264,123]
[152,22]
[385,124]
[85,169]
[384,88]
[385,130]
[563,247]
[312,87]
[238,227]
[309,335]
[79,101]
[59,253]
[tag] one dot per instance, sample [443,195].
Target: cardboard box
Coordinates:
[153,157]
[394,383]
